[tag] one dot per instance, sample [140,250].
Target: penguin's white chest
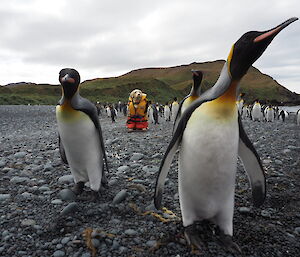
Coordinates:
[207,165]
[256,112]
[81,142]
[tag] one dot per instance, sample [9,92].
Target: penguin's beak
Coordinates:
[68,79]
[270,34]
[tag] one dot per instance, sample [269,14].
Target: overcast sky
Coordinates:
[103,38]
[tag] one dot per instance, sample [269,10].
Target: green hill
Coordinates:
[160,84]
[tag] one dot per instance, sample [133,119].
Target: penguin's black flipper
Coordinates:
[62,151]
[253,166]
[81,104]
[220,88]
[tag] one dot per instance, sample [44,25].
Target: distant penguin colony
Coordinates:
[211,136]
[80,136]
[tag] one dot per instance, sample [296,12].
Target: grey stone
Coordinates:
[122,169]
[44,188]
[136,156]
[66,179]
[95,242]
[278,162]
[4,197]
[112,182]
[244,210]
[27,195]
[286,151]
[2,164]
[151,243]
[65,240]
[150,169]
[130,232]
[18,180]
[297,230]
[28,222]
[20,155]
[56,201]
[71,207]
[67,195]
[48,167]
[59,253]
[119,197]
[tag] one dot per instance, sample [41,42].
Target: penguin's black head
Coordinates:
[250,47]
[69,79]
[197,76]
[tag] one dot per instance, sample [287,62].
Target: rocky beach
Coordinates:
[39,215]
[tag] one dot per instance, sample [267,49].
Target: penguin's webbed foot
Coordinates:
[77,189]
[228,244]
[95,196]
[193,239]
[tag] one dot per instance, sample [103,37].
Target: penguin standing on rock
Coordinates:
[211,136]
[80,136]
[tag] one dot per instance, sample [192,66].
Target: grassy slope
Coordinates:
[160,84]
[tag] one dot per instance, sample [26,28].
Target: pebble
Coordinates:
[27,195]
[44,188]
[95,242]
[20,155]
[67,195]
[136,156]
[56,201]
[297,230]
[71,207]
[150,169]
[122,169]
[151,243]
[48,167]
[28,222]
[4,197]
[130,232]
[120,197]
[18,180]
[59,253]
[66,179]
[286,151]
[2,164]
[244,210]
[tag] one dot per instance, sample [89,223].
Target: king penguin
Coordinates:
[256,112]
[211,137]
[192,96]
[80,136]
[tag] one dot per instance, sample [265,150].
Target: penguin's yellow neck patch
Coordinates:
[66,113]
[225,105]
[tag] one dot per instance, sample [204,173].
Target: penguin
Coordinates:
[192,96]
[256,113]
[80,136]
[283,115]
[150,113]
[240,103]
[245,112]
[108,111]
[211,136]
[167,112]
[270,114]
[174,109]
[298,117]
